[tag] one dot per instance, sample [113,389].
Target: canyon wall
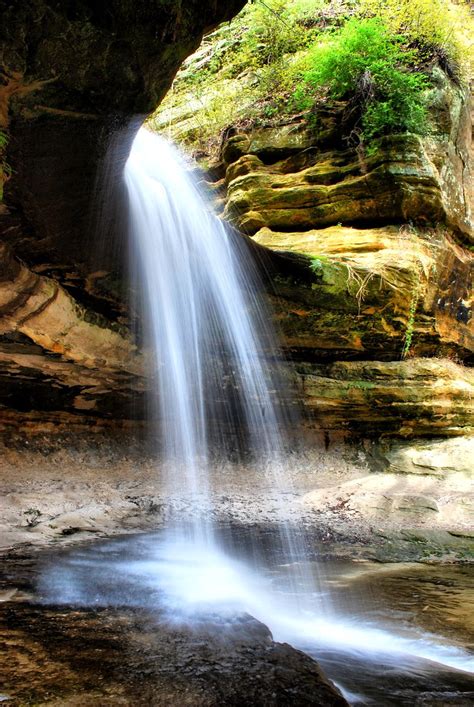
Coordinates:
[75,77]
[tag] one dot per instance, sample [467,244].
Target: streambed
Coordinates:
[143,620]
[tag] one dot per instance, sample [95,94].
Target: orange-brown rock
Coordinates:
[415,398]
[374,242]
[364,291]
[54,355]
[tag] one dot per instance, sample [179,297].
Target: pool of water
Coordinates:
[385,634]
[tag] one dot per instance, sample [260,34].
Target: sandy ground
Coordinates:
[54,494]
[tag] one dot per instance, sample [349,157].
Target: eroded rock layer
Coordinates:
[75,77]
[370,263]
[414,398]
[364,290]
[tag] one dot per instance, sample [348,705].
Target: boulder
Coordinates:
[143,656]
[437,458]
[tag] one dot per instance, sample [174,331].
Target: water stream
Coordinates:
[218,386]
[212,341]
[377,642]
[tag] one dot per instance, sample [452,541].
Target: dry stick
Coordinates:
[273,12]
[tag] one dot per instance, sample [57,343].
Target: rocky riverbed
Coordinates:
[100,623]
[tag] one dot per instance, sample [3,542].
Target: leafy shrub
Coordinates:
[365,63]
[440,28]
[278,56]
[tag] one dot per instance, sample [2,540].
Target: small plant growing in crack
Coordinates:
[410,327]
[5,169]
[33,516]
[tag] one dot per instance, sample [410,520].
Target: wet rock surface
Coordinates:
[293,177]
[114,654]
[73,654]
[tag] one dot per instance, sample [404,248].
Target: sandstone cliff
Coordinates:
[73,76]
[370,261]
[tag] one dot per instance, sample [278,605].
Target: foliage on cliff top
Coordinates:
[373,69]
[248,70]
[438,28]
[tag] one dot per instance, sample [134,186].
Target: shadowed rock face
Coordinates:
[413,398]
[73,75]
[97,58]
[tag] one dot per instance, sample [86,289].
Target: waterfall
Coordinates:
[217,387]
[209,330]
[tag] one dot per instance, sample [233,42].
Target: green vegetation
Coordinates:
[439,29]
[5,169]
[280,57]
[246,70]
[362,385]
[32,517]
[410,325]
[317,264]
[366,65]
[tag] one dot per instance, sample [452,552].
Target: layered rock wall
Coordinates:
[371,263]
[369,267]
[73,76]
[369,254]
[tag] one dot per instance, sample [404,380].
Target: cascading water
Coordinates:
[209,330]
[212,341]
[217,387]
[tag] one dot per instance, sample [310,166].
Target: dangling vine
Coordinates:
[415,298]
[5,169]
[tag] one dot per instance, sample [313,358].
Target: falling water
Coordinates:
[209,330]
[217,388]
